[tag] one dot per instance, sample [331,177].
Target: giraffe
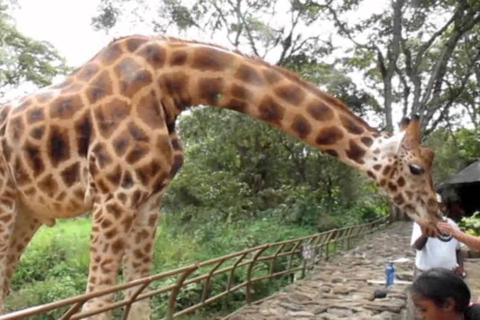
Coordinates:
[104,141]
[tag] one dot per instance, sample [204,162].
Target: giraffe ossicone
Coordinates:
[104,141]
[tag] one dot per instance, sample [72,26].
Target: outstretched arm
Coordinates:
[471,241]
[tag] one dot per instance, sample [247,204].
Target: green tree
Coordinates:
[22,59]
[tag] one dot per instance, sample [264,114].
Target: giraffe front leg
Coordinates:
[112,222]
[139,252]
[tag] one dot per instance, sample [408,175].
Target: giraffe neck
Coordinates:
[187,73]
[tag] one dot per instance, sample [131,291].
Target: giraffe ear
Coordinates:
[391,145]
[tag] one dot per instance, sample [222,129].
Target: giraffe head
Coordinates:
[405,172]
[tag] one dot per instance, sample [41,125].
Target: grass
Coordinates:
[55,264]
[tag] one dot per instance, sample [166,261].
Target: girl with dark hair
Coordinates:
[440,294]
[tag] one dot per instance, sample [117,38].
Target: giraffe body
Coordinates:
[104,141]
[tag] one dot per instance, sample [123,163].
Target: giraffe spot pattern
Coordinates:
[127,181]
[401,182]
[83,130]
[134,43]
[137,133]
[399,199]
[377,167]
[249,75]
[136,154]
[271,111]
[165,146]
[44,97]
[329,135]
[301,126]
[240,92]
[88,71]
[16,129]
[120,144]
[65,107]
[34,159]
[320,111]
[35,115]
[149,111]
[209,59]
[99,88]
[367,141]
[71,174]
[58,145]
[332,152]
[355,152]
[48,185]
[176,165]
[291,94]
[132,77]
[73,88]
[147,172]
[115,176]
[21,174]
[175,84]
[349,124]
[110,54]
[102,155]
[109,115]
[271,76]
[237,105]
[178,58]
[153,54]
[210,90]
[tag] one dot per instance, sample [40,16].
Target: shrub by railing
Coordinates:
[259,263]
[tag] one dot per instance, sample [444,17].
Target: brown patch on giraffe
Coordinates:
[65,107]
[271,76]
[30,192]
[271,111]
[367,141]
[332,152]
[73,88]
[350,125]
[392,187]
[120,144]
[301,126]
[209,59]
[137,153]
[122,197]
[137,197]
[71,174]
[88,71]
[176,144]
[83,130]
[320,111]
[61,196]
[16,128]
[147,172]
[176,165]
[153,54]
[149,111]
[127,223]
[249,75]
[109,115]
[110,54]
[6,217]
[79,193]
[386,170]
[401,182]
[44,97]
[210,90]
[58,148]
[409,194]
[127,181]
[137,133]
[133,76]
[48,185]
[134,43]
[99,88]
[377,167]
[383,182]
[371,174]
[431,204]
[138,254]
[240,92]
[376,151]
[399,199]
[355,152]
[115,176]
[237,105]
[114,209]
[176,84]
[329,135]
[178,58]
[34,159]
[35,115]
[165,146]
[102,186]
[142,235]
[291,94]
[102,155]
[7,150]
[106,223]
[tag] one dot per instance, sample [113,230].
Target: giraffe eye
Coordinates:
[416,170]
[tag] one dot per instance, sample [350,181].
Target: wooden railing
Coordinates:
[259,263]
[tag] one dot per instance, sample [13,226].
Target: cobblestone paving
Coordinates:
[338,289]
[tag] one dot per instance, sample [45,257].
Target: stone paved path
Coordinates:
[338,289]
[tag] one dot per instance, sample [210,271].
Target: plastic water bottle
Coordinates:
[390,274]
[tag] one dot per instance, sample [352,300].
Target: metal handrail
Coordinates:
[318,243]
